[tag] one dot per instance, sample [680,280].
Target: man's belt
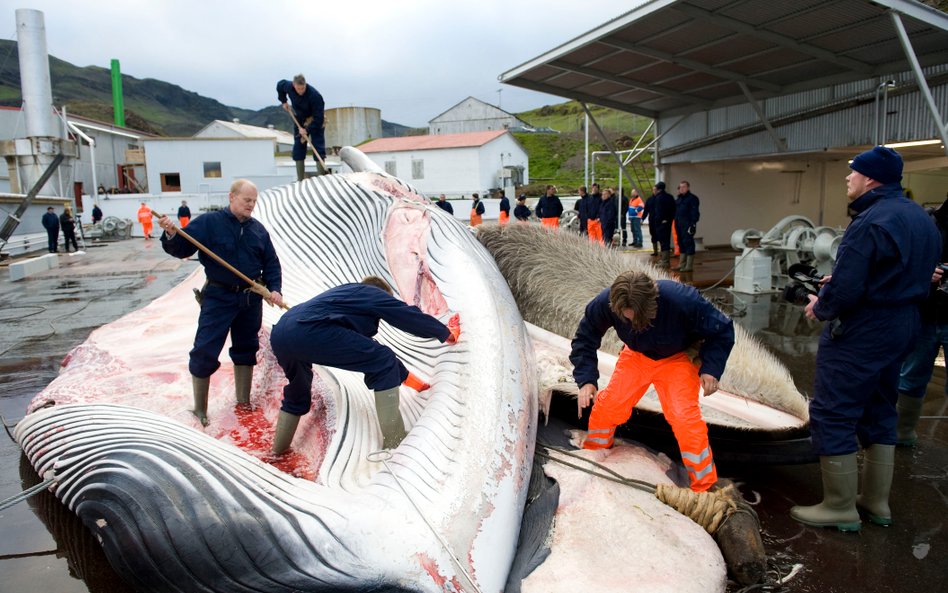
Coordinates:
[228,287]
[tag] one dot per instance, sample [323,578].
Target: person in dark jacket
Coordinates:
[608,215]
[335,328]
[477,210]
[96,214]
[504,216]
[593,206]
[549,208]
[917,369]
[184,214]
[521,211]
[580,208]
[68,224]
[882,273]
[309,107]
[686,224]
[228,305]
[51,224]
[445,205]
[661,217]
[652,227]
[657,321]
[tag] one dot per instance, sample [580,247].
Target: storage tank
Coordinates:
[350,126]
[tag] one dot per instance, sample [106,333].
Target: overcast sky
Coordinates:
[413,59]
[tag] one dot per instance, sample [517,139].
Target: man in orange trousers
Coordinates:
[144,217]
[657,321]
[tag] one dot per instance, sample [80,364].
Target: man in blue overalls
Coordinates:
[227,304]
[309,107]
[335,329]
[883,270]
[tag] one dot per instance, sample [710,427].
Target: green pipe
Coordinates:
[118,105]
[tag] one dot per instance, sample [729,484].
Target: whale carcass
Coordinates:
[181,508]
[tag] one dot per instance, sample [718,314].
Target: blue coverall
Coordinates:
[883,271]
[227,304]
[335,329]
[308,107]
[686,220]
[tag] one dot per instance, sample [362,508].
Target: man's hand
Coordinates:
[809,308]
[708,383]
[937,275]
[167,226]
[454,326]
[587,393]
[303,134]
[276,299]
[286,107]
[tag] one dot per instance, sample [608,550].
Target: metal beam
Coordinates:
[582,97]
[13,220]
[603,75]
[605,140]
[920,78]
[781,145]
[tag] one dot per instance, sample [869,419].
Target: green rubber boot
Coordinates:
[243,378]
[665,261]
[838,509]
[201,386]
[300,170]
[285,430]
[687,263]
[910,410]
[878,465]
[390,419]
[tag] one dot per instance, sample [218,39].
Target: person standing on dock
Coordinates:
[686,224]
[883,272]
[144,217]
[301,98]
[228,305]
[184,214]
[68,224]
[51,224]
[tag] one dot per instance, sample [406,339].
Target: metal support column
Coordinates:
[781,145]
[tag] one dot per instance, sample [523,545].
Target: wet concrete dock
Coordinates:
[45,547]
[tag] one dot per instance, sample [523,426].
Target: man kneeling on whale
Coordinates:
[335,329]
[657,321]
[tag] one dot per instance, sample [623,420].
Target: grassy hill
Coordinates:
[557,158]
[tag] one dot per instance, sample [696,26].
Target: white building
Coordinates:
[220,128]
[473,115]
[453,164]
[198,165]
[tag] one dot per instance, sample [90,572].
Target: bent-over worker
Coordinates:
[335,328]
[657,321]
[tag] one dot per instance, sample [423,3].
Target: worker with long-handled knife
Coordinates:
[242,270]
[308,121]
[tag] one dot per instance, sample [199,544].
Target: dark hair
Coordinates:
[378,283]
[636,291]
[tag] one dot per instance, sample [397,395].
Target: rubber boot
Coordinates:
[320,169]
[201,386]
[300,169]
[390,419]
[910,409]
[838,509]
[666,259]
[654,249]
[687,263]
[877,467]
[243,378]
[285,430]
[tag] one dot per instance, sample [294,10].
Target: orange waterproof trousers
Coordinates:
[594,229]
[475,218]
[504,217]
[553,222]
[676,381]
[184,220]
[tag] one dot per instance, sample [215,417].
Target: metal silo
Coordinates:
[350,126]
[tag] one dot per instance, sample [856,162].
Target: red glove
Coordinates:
[454,326]
[415,383]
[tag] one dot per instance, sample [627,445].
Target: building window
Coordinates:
[212,169]
[171,182]
[391,169]
[417,169]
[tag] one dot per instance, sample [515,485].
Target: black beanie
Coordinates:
[660,185]
[881,163]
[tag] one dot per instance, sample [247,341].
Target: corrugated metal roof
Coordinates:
[249,131]
[431,142]
[668,57]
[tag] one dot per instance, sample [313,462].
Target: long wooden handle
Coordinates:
[254,285]
[308,141]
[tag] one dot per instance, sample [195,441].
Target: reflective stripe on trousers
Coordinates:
[677,384]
